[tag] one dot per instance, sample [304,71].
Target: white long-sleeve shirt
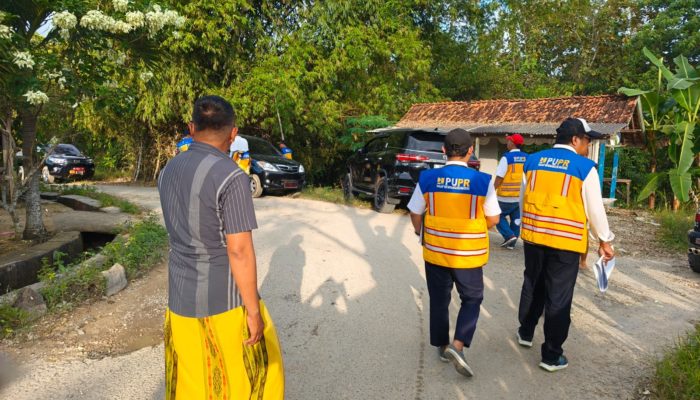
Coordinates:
[592,202]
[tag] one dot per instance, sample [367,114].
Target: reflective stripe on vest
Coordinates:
[510,186]
[553,214]
[454,226]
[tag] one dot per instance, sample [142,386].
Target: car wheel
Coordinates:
[347,188]
[256,186]
[46,176]
[381,197]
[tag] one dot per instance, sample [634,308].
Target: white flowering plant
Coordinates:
[36,97]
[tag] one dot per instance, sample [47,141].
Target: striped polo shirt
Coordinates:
[204,196]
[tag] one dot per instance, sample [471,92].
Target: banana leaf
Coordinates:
[685,131]
[685,70]
[659,63]
[651,185]
[680,183]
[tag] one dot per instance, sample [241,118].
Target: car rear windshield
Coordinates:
[67,149]
[425,141]
[261,147]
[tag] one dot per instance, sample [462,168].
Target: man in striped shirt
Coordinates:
[560,196]
[220,342]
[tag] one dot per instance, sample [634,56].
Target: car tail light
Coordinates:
[404,190]
[411,158]
[697,217]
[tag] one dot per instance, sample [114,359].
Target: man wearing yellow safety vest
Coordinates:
[452,209]
[560,195]
[509,177]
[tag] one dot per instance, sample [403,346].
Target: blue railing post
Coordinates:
[601,163]
[613,180]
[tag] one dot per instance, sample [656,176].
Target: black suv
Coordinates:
[388,166]
[67,162]
[270,171]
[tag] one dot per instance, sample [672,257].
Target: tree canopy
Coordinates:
[310,69]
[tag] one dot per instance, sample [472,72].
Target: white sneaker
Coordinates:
[523,342]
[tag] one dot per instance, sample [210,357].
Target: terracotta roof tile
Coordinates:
[607,109]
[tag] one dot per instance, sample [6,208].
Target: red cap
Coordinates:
[516,139]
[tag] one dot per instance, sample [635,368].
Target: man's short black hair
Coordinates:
[213,113]
[457,143]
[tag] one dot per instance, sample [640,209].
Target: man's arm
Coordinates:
[501,170]
[497,182]
[416,206]
[595,211]
[492,211]
[417,221]
[241,256]
[238,215]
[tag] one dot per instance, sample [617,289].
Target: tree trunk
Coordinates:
[34,226]
[651,145]
[157,169]
[138,163]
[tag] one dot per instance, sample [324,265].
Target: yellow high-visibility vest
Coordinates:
[553,213]
[454,226]
[510,186]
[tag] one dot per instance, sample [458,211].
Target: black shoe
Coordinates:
[505,242]
[510,243]
[561,363]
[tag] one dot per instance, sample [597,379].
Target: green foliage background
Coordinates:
[327,69]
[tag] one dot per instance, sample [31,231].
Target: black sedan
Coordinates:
[67,162]
[270,171]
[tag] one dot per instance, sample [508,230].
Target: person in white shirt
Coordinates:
[240,154]
[509,175]
[559,197]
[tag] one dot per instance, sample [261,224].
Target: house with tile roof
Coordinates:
[489,121]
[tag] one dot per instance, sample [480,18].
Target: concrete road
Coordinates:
[346,290]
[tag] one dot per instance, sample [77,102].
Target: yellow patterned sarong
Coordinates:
[205,358]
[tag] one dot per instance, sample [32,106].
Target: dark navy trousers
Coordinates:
[548,286]
[470,286]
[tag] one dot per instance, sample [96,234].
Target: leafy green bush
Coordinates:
[68,284]
[104,198]
[142,249]
[673,231]
[11,319]
[106,174]
[76,284]
[678,373]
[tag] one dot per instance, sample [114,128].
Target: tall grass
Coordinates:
[673,231]
[678,373]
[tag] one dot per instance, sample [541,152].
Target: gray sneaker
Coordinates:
[460,363]
[441,354]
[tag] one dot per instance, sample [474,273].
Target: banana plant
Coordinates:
[673,111]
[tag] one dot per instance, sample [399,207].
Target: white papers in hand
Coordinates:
[602,271]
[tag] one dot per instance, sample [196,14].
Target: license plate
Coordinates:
[77,171]
[290,184]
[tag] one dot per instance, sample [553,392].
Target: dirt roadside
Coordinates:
[327,269]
